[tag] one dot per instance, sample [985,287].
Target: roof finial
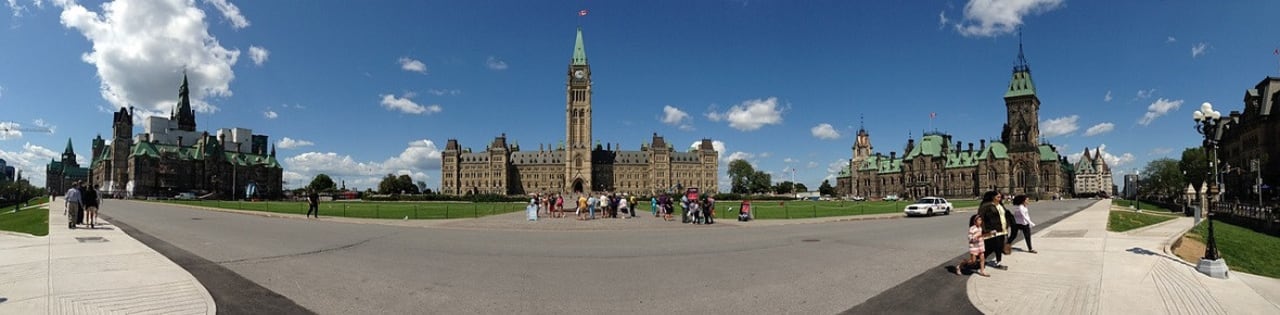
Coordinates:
[1021,65]
[862,125]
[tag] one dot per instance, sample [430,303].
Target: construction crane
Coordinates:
[8,127]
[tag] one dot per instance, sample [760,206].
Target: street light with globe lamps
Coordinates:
[1210,123]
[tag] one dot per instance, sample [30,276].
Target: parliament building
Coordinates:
[580,163]
[1019,163]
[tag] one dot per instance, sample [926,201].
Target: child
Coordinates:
[977,252]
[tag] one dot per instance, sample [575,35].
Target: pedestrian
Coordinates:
[89,198]
[976,248]
[684,209]
[993,223]
[1022,222]
[710,210]
[72,205]
[531,210]
[591,208]
[624,206]
[582,205]
[313,203]
[665,203]
[559,206]
[631,201]
[653,205]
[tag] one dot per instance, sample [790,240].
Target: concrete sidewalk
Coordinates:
[1082,268]
[93,271]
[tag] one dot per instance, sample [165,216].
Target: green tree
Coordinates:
[1195,165]
[825,189]
[784,187]
[760,182]
[322,182]
[801,188]
[1162,179]
[740,176]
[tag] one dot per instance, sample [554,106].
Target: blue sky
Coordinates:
[361,90]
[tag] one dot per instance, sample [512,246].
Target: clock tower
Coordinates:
[578,121]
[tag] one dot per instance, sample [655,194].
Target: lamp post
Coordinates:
[1210,123]
[1137,188]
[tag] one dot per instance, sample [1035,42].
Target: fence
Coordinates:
[1264,219]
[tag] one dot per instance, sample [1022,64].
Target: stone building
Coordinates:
[60,174]
[171,157]
[1093,175]
[577,164]
[936,166]
[1255,137]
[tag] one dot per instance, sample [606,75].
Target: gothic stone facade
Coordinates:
[577,165]
[60,174]
[1017,164]
[1253,138]
[174,158]
[1092,174]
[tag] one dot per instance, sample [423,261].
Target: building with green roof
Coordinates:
[61,174]
[1018,163]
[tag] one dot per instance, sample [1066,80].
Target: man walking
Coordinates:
[313,204]
[72,201]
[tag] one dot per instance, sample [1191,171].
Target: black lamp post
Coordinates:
[1210,123]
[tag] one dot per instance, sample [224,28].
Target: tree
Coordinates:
[740,176]
[825,189]
[322,182]
[392,184]
[1163,179]
[422,187]
[784,187]
[801,188]
[760,182]
[1195,165]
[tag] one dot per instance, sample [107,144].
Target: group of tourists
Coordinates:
[993,230]
[615,205]
[82,204]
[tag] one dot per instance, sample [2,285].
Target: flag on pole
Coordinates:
[933,115]
[582,12]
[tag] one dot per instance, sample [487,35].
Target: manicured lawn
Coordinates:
[360,209]
[1244,249]
[817,209]
[1121,221]
[1146,206]
[34,221]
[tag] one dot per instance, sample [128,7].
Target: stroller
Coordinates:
[744,214]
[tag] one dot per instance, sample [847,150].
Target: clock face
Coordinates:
[579,74]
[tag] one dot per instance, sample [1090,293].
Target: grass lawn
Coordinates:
[361,209]
[818,209]
[1121,221]
[1145,205]
[34,221]
[1244,249]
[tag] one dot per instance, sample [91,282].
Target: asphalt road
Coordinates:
[341,268]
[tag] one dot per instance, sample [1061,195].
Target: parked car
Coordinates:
[891,198]
[859,198]
[185,196]
[928,206]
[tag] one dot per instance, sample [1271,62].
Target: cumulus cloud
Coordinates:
[675,117]
[824,131]
[739,155]
[231,13]
[9,130]
[989,18]
[1099,129]
[32,160]
[259,55]
[1171,40]
[1198,49]
[270,114]
[1145,94]
[1107,98]
[789,160]
[409,64]
[1114,161]
[942,19]
[16,8]
[1059,126]
[443,92]
[1159,108]
[405,105]
[715,144]
[811,164]
[290,143]
[751,114]
[495,64]
[834,169]
[140,48]
[417,158]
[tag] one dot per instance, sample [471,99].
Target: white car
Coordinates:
[928,206]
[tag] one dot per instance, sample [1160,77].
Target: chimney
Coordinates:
[893,155]
[982,144]
[970,147]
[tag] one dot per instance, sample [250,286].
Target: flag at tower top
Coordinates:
[582,12]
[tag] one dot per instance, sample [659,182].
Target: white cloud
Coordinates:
[16,8]
[765,155]
[789,160]
[1159,108]
[40,123]
[1107,98]
[834,169]
[443,92]
[1145,94]
[1171,40]
[989,18]
[824,131]
[231,13]
[1099,129]
[811,164]
[9,130]
[141,46]
[1198,49]
[1059,126]
[739,155]
[259,55]
[405,105]
[32,160]
[409,64]
[1115,161]
[419,157]
[675,117]
[751,114]
[715,144]
[290,143]
[1,91]
[495,64]
[270,114]
[1161,151]
[942,19]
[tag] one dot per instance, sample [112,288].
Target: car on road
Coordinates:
[891,198]
[928,206]
[859,198]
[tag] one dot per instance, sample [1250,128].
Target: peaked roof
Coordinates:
[579,53]
[1021,84]
[68,150]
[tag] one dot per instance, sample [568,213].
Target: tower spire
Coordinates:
[185,116]
[1021,65]
[579,53]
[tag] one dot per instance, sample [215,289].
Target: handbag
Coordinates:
[1008,249]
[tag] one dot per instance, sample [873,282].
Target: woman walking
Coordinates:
[91,203]
[993,222]
[1022,222]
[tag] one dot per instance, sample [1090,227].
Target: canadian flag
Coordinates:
[582,12]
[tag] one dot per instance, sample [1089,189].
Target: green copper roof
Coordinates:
[930,145]
[579,53]
[144,148]
[1021,84]
[996,150]
[1048,153]
[68,149]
